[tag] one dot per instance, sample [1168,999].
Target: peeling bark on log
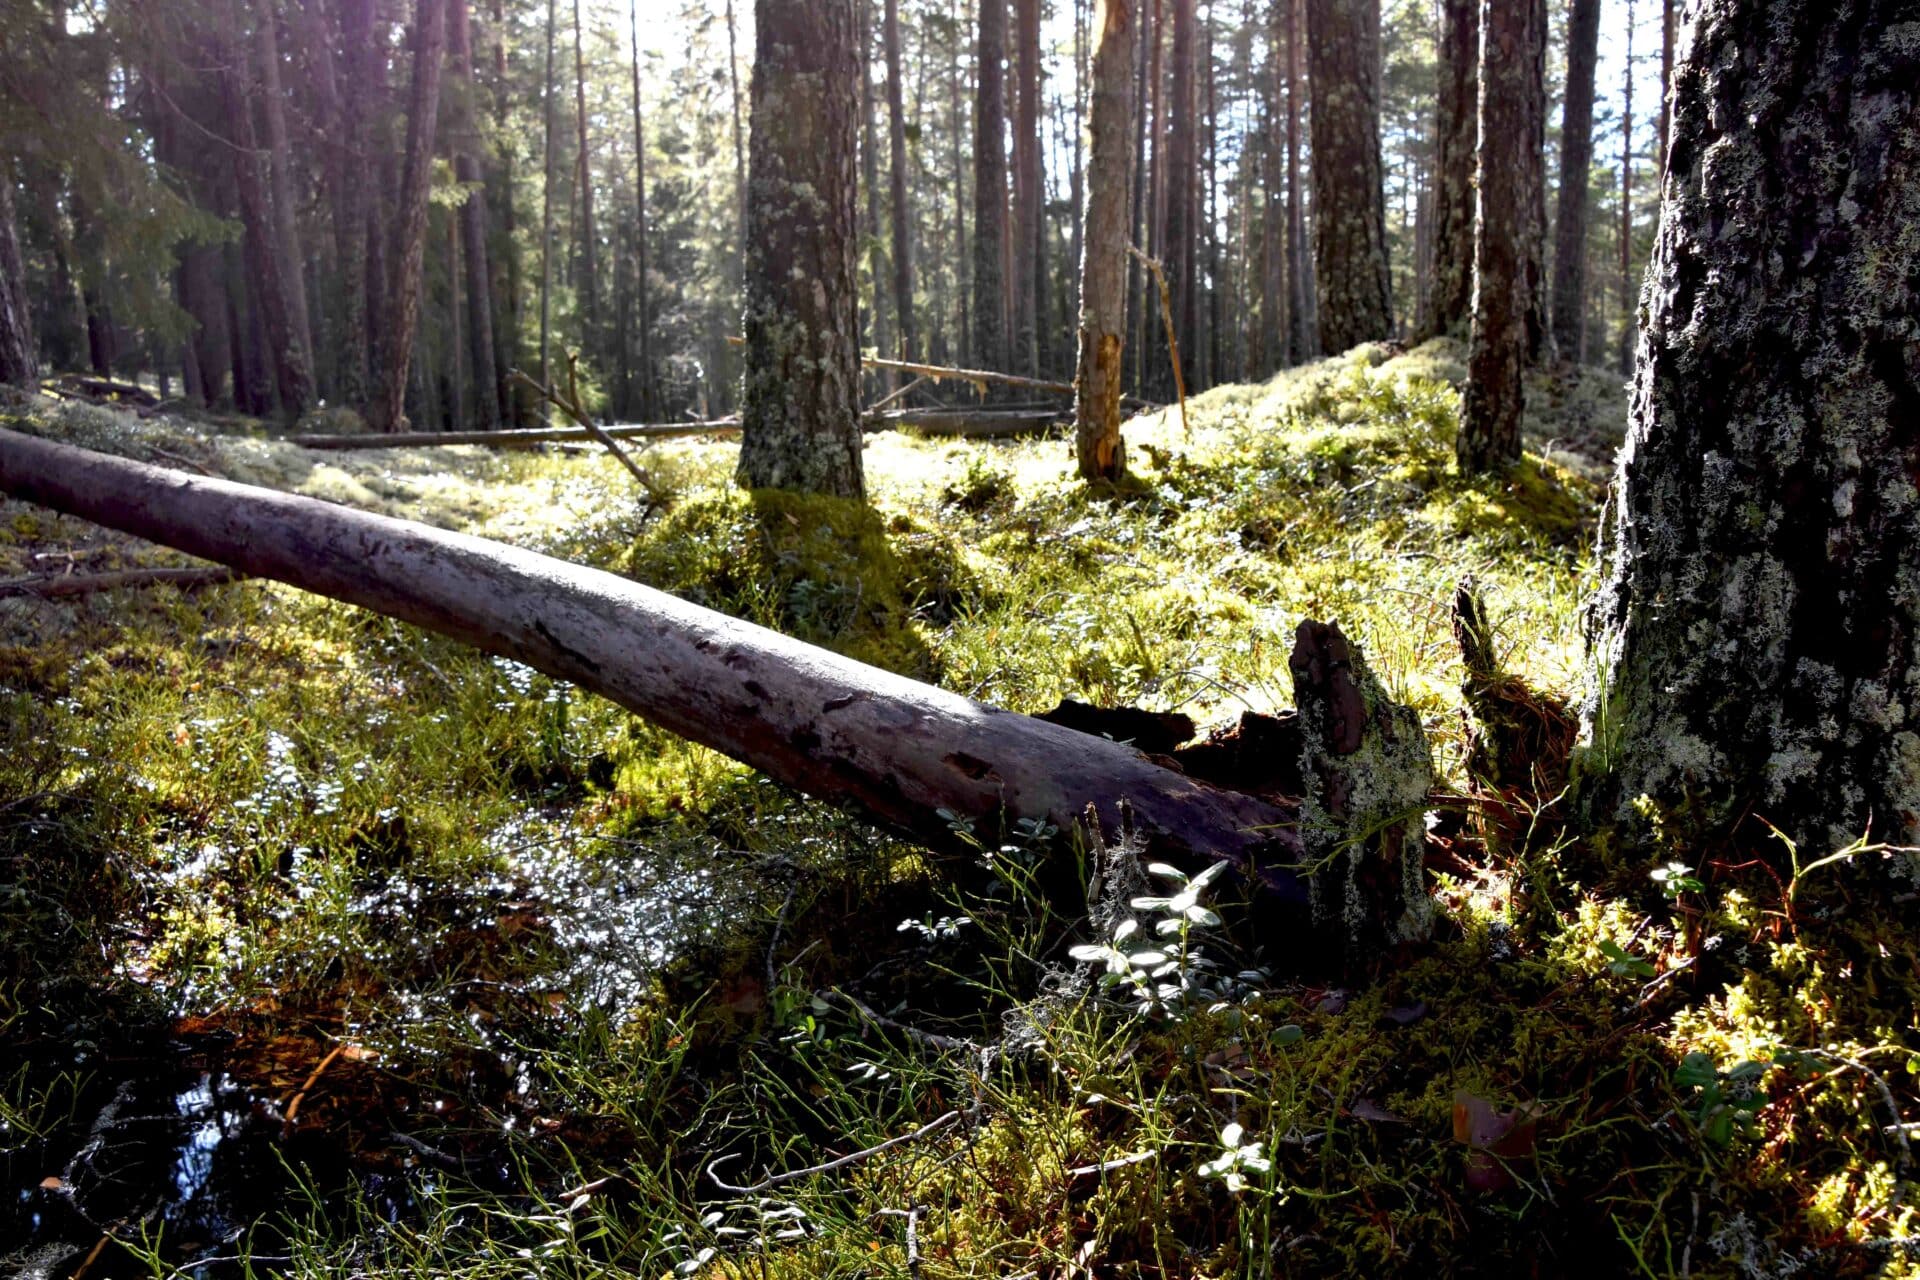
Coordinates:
[891,748]
[1367,772]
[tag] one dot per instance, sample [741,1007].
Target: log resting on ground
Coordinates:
[972,423]
[894,749]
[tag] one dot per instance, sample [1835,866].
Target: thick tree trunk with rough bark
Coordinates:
[18,362]
[1349,195]
[410,236]
[990,191]
[1497,345]
[1576,160]
[799,408]
[1450,309]
[1758,632]
[897,183]
[273,110]
[1103,268]
[488,386]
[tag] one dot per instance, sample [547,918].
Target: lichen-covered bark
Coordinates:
[1349,198]
[1456,134]
[1758,632]
[800,394]
[1366,771]
[1569,310]
[990,191]
[1498,342]
[1103,271]
[17,363]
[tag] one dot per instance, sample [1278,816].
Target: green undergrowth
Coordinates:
[571,960]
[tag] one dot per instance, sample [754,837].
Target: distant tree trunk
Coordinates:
[1302,307]
[589,238]
[1028,278]
[1103,267]
[962,254]
[739,151]
[870,184]
[1534,188]
[280,170]
[507,340]
[990,191]
[1756,632]
[1456,137]
[1273,182]
[1666,86]
[1627,323]
[487,386]
[1349,195]
[1497,346]
[643,297]
[410,239]
[18,364]
[1181,176]
[350,205]
[1576,160]
[1149,26]
[897,181]
[269,287]
[799,407]
[1077,176]
[549,151]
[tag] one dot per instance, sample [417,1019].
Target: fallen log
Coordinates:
[56,586]
[896,750]
[969,423]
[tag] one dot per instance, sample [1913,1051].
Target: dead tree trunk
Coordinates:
[897,750]
[1103,269]
[1756,635]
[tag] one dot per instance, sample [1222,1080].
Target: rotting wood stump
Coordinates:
[895,750]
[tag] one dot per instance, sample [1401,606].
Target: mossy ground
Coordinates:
[570,951]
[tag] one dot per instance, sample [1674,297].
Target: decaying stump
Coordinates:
[1366,772]
[1518,739]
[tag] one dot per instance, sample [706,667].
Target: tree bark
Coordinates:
[897,180]
[589,279]
[19,364]
[1627,323]
[1489,436]
[1181,176]
[644,296]
[1450,309]
[898,751]
[350,207]
[870,189]
[1349,195]
[990,191]
[1028,276]
[489,388]
[410,239]
[1303,311]
[292,376]
[1758,632]
[799,406]
[1103,267]
[1533,189]
[280,173]
[549,152]
[1576,160]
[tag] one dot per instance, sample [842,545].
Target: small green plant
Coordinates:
[1236,1160]
[1675,879]
[1171,978]
[1722,1103]
[1623,963]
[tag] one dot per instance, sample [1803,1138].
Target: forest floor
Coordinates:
[331,947]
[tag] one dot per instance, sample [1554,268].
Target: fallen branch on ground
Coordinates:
[971,423]
[85,584]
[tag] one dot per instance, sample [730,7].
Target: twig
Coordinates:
[84,584]
[93,1256]
[570,405]
[926,1130]
[933,1040]
[431,1154]
[1108,1166]
[894,395]
[1173,342]
[313,1078]
[913,1234]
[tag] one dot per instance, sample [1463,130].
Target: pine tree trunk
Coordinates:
[643,296]
[588,281]
[410,239]
[18,362]
[1534,186]
[280,170]
[1576,160]
[292,376]
[1103,268]
[1349,196]
[1302,306]
[1759,627]
[1027,281]
[1497,345]
[870,190]
[1180,175]
[739,148]
[799,411]
[549,151]
[1149,26]
[488,387]
[350,204]
[990,191]
[1450,308]
[1627,326]
[897,181]
[1666,86]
